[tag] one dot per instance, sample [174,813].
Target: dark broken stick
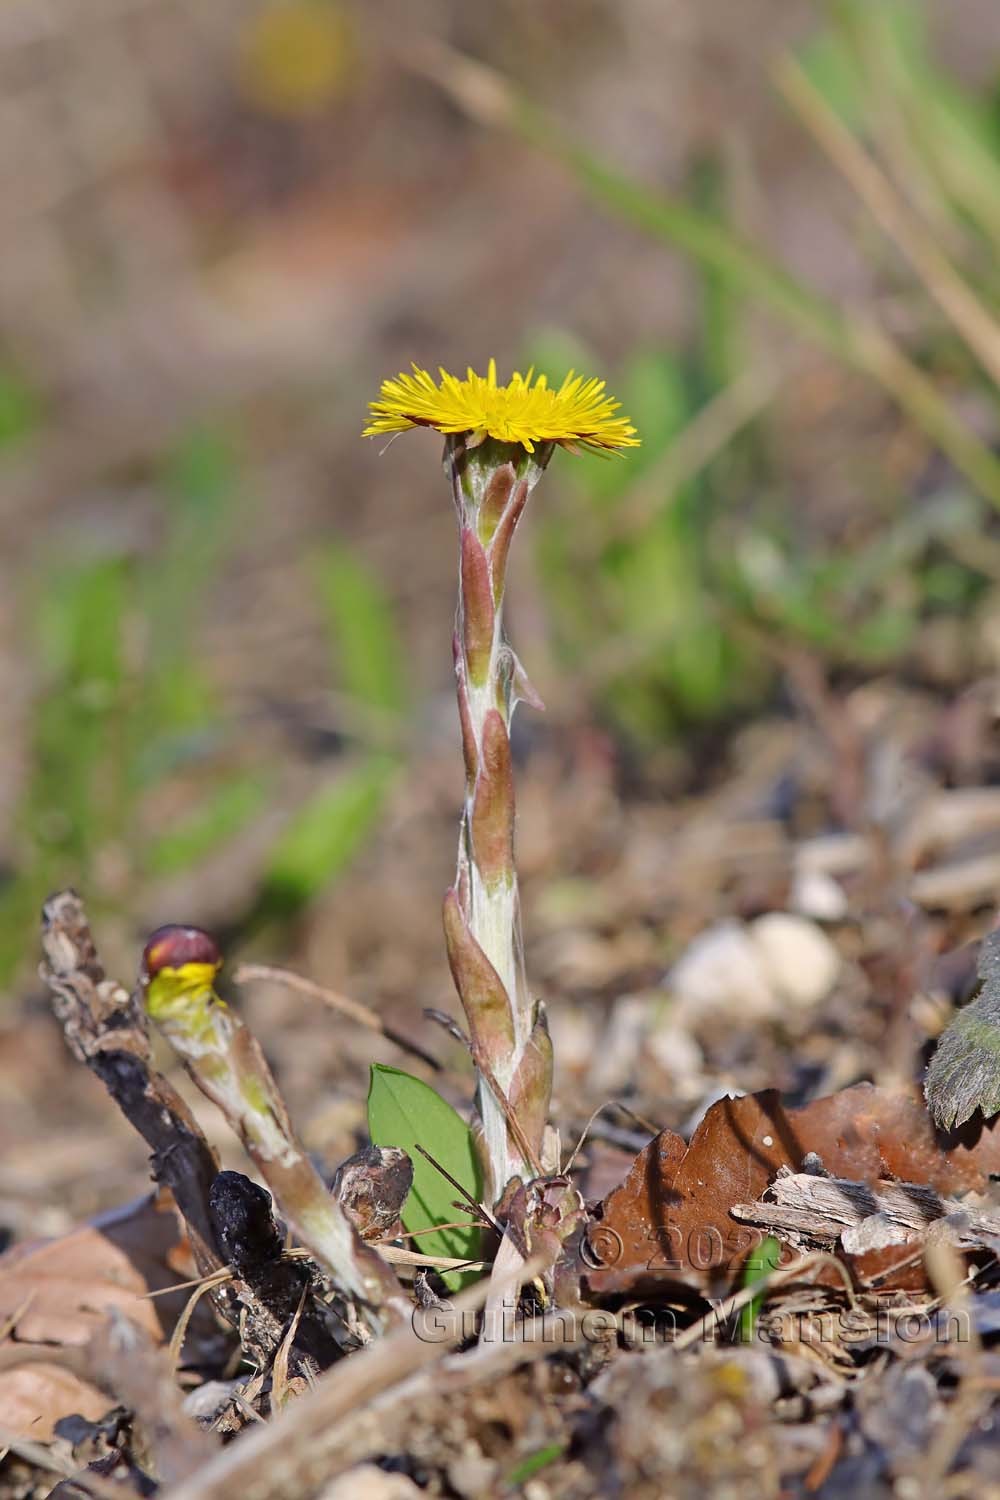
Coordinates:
[253,1245]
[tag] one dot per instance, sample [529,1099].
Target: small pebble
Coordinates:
[816,894]
[801,963]
[723,970]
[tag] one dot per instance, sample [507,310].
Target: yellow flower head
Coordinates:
[527,411]
[179,965]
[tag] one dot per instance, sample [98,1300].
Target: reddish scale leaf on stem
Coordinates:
[498,492]
[479,986]
[493,804]
[532,1084]
[500,546]
[477,608]
[470,751]
[669,1224]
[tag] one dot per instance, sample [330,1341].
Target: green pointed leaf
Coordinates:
[403,1111]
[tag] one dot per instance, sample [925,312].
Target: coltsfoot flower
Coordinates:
[526,411]
[498,440]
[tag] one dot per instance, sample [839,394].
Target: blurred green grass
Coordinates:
[125,713]
[679,578]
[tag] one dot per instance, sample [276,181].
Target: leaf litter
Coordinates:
[857,1186]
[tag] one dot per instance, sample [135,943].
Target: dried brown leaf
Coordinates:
[670,1223]
[34,1397]
[59,1293]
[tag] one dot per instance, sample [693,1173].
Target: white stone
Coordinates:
[368,1482]
[722,970]
[816,894]
[799,961]
[675,1050]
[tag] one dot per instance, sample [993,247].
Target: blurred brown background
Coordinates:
[224,660]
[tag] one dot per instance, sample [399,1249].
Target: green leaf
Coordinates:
[404,1112]
[363,630]
[325,834]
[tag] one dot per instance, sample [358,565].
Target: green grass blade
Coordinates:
[324,835]
[219,817]
[762,1261]
[363,631]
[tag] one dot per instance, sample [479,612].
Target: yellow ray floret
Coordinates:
[527,411]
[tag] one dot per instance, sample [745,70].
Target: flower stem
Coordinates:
[491,482]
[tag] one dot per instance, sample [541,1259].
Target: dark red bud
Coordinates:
[173,946]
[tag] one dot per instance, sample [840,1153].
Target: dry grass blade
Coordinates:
[397,1257]
[352,1010]
[957,301]
[282,1389]
[207,1284]
[416,1234]
[343,1004]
